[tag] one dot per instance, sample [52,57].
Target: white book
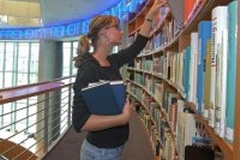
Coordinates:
[193,68]
[185,133]
[219,19]
[222,85]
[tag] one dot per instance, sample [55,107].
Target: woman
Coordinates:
[107,134]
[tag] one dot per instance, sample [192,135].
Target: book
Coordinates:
[189,7]
[231,69]
[190,131]
[207,80]
[186,71]
[105,97]
[219,18]
[204,34]
[193,68]
[218,67]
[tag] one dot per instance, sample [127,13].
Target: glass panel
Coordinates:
[8,79]
[66,60]
[1,64]
[69,51]
[33,78]
[9,57]
[67,45]
[22,79]
[1,56]
[34,63]
[23,57]
[74,69]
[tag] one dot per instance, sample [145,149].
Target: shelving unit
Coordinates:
[175,44]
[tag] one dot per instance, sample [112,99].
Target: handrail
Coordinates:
[38,83]
[24,91]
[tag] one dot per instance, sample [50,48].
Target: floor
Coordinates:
[137,148]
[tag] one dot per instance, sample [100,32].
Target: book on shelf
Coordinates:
[231,69]
[172,115]
[188,7]
[218,67]
[193,68]
[186,71]
[105,97]
[190,131]
[207,80]
[204,34]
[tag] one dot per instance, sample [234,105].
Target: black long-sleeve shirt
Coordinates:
[89,71]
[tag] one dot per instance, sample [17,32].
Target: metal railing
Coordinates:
[33,118]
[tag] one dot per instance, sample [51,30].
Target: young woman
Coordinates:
[107,134]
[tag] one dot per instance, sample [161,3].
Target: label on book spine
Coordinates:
[229,134]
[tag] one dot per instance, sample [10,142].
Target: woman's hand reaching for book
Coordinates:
[146,27]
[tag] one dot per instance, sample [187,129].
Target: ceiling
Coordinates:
[32,12]
[55,11]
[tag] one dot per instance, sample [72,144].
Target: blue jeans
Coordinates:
[91,152]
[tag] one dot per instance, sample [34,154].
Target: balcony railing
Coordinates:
[33,118]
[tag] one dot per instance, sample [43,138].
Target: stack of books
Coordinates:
[105,97]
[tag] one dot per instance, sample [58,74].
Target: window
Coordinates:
[69,51]
[18,66]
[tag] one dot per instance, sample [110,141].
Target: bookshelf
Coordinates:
[170,40]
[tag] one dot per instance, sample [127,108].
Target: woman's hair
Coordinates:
[90,39]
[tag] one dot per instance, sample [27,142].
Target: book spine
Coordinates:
[219,20]
[189,6]
[231,67]
[207,81]
[193,69]
[217,27]
[186,77]
[204,34]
